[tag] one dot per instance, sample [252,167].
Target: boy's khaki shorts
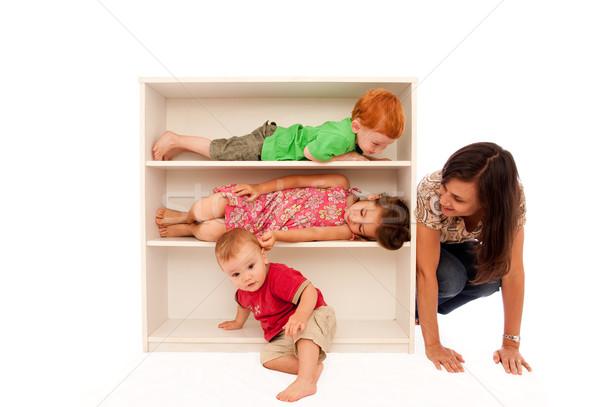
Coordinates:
[320,328]
[242,148]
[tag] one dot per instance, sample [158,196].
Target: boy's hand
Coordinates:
[230,325]
[247,189]
[351,156]
[267,240]
[371,158]
[294,323]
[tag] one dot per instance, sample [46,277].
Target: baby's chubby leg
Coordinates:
[170,144]
[306,365]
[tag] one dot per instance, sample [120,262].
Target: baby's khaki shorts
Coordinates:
[242,148]
[320,328]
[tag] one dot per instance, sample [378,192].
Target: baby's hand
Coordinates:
[246,189]
[230,325]
[267,240]
[293,324]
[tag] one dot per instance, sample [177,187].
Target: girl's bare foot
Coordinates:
[176,230]
[166,217]
[165,143]
[301,388]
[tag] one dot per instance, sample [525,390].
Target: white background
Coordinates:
[523,74]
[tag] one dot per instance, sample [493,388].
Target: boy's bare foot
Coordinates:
[166,217]
[172,153]
[176,230]
[301,388]
[165,143]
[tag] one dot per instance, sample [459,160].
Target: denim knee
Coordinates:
[451,275]
[488,288]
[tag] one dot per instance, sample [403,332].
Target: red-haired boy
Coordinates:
[377,121]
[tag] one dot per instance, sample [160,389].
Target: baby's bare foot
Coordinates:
[298,389]
[166,216]
[165,143]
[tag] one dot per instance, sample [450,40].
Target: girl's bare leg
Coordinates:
[170,144]
[176,230]
[166,217]
[209,231]
[211,207]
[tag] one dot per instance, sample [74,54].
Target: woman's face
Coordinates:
[459,198]
[363,218]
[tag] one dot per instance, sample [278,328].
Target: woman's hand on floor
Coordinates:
[440,356]
[511,359]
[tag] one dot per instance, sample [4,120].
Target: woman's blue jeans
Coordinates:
[455,271]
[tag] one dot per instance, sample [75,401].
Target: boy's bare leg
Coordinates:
[170,144]
[172,153]
[309,371]
[166,217]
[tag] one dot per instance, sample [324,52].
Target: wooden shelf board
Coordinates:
[278,87]
[207,164]
[193,242]
[207,331]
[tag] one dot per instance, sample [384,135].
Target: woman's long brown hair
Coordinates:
[494,171]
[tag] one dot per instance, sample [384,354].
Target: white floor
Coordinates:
[211,379]
[560,374]
[358,379]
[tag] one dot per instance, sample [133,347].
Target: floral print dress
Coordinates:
[294,208]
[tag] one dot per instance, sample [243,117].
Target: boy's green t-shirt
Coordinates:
[324,141]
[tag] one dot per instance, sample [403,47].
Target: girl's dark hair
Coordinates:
[494,171]
[395,223]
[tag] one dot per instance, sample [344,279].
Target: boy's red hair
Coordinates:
[381,111]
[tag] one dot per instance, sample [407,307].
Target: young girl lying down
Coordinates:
[294,208]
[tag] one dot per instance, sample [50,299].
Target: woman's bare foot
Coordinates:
[176,230]
[166,217]
[301,388]
[165,143]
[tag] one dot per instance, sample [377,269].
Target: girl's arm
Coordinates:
[240,319]
[428,255]
[306,306]
[305,235]
[291,181]
[513,292]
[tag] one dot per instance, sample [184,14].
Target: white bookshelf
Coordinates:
[185,295]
